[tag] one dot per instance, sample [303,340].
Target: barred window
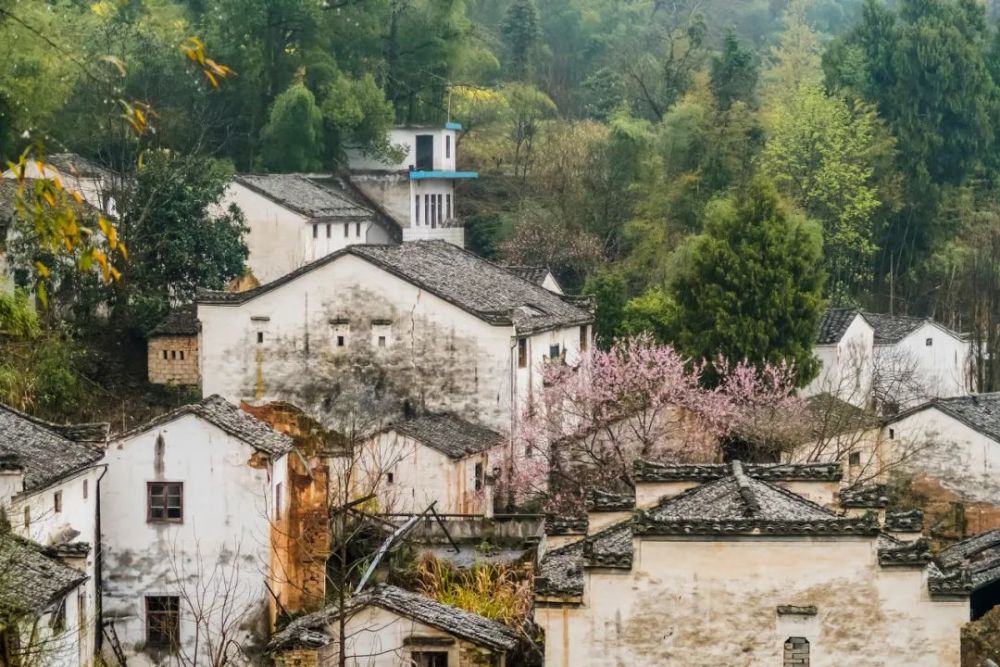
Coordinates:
[164,502]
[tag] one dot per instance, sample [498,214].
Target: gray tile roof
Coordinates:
[533,274]
[30,579]
[980,412]
[905,522]
[180,321]
[649,471]
[311,630]
[977,557]
[450,435]
[833,325]
[893,328]
[41,449]
[866,496]
[301,194]
[227,417]
[76,165]
[471,283]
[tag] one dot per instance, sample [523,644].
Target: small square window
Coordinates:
[57,502]
[929,342]
[381,341]
[260,337]
[340,341]
[163,621]
[554,351]
[164,502]
[854,459]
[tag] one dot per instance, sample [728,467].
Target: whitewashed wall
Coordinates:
[225,530]
[422,475]
[79,514]
[703,602]
[407,138]
[846,367]
[277,237]
[440,356]
[942,367]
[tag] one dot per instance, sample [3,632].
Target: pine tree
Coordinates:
[751,284]
[521,32]
[734,74]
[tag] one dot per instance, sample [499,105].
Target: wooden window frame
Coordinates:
[173,633]
[149,505]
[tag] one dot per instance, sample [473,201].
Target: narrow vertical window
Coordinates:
[449,214]
[329,230]
[260,337]
[163,627]
[315,231]
[347,229]
[416,209]
[164,354]
[57,502]
[427,209]
[277,501]
[27,517]
[357,229]
[182,355]
[432,216]
[584,338]
[440,200]
[480,478]
[86,488]
[522,352]
[554,351]
[447,145]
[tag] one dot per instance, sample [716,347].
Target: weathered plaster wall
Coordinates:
[406,137]
[422,475]
[277,236]
[714,603]
[220,547]
[391,191]
[376,638]
[78,515]
[436,356]
[173,360]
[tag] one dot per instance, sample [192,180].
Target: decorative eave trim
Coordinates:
[648,471]
[648,526]
[913,554]
[557,525]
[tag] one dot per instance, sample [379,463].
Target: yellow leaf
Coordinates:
[123,250]
[42,270]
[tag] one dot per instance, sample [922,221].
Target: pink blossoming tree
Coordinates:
[639,400]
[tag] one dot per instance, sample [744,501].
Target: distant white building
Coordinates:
[49,476]
[424,326]
[78,174]
[895,361]
[194,504]
[419,190]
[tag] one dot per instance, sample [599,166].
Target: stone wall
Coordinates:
[297,658]
[173,360]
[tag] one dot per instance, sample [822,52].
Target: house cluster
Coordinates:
[367,358]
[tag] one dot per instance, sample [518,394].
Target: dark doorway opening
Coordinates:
[985,598]
[425,152]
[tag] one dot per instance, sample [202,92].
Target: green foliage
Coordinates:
[497,591]
[751,286]
[654,313]
[292,138]
[18,317]
[733,74]
[521,32]
[179,243]
[356,115]
[608,289]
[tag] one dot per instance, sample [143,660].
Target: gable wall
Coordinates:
[942,366]
[704,602]
[228,498]
[277,236]
[846,367]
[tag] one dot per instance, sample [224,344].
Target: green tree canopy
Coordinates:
[521,31]
[293,134]
[751,285]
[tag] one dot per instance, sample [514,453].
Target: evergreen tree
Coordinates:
[734,74]
[292,138]
[751,284]
[521,32]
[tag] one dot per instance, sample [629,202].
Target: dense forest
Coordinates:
[660,155]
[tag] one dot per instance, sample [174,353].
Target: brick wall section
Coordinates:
[297,658]
[796,652]
[173,369]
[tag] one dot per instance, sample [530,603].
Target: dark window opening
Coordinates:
[164,502]
[983,599]
[390,478]
[522,352]
[182,355]
[173,354]
[929,342]
[381,341]
[554,351]
[440,200]
[796,652]
[357,229]
[329,230]
[433,214]
[163,621]
[427,209]
[447,145]
[416,208]
[164,354]
[892,434]
[480,478]
[340,341]
[57,502]
[584,339]
[425,152]
[58,619]
[86,488]
[277,501]
[260,337]
[429,658]
[27,517]
[347,229]
[449,214]
[315,231]
[854,459]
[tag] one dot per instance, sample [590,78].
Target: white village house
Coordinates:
[387,626]
[422,327]
[49,479]
[440,459]
[893,359]
[294,219]
[192,501]
[78,174]
[730,566]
